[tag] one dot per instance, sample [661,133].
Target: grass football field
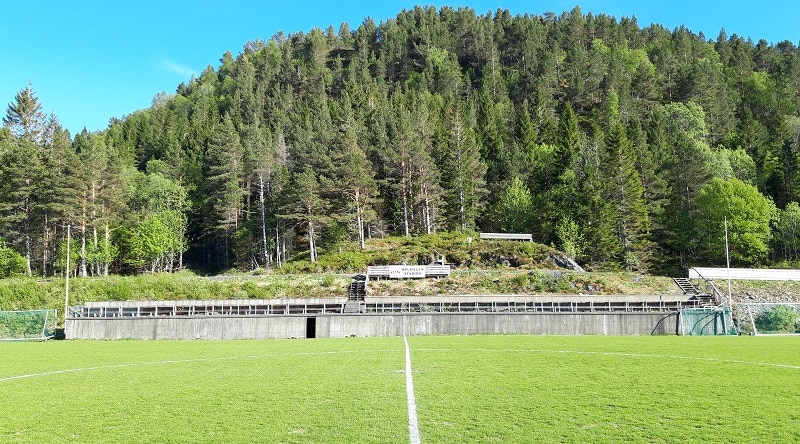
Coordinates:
[513,389]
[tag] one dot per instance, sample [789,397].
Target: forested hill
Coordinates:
[626,147]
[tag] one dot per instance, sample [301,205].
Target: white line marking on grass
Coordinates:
[413,424]
[99,367]
[182,361]
[630,355]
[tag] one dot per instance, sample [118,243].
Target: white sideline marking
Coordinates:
[629,355]
[413,424]
[182,361]
[408,361]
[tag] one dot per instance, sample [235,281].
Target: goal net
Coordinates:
[769,318]
[27,325]
[709,321]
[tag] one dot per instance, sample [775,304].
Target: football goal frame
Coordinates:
[769,318]
[28,325]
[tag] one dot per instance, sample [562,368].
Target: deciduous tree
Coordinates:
[749,217]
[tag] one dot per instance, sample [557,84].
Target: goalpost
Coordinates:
[769,318]
[706,321]
[27,325]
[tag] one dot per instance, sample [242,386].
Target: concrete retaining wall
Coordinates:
[344,325]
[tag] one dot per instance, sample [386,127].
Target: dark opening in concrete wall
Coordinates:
[311,327]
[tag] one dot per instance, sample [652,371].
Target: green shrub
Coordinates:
[328,280]
[781,319]
[11,262]
[522,282]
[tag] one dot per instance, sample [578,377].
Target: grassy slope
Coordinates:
[23,293]
[480,267]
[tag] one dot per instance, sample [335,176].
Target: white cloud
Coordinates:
[177,68]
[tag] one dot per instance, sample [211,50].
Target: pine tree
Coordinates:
[568,141]
[624,194]
[413,175]
[685,165]
[24,116]
[354,176]
[307,207]
[224,171]
[463,172]
[20,175]
[101,168]
[60,192]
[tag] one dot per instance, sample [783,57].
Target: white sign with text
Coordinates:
[406,271]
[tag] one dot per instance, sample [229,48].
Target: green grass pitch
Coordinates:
[467,388]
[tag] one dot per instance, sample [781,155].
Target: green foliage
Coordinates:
[415,125]
[24,117]
[749,216]
[780,319]
[25,293]
[74,254]
[787,232]
[571,239]
[11,262]
[36,324]
[514,208]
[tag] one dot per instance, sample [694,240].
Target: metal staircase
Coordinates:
[356,293]
[686,286]
[357,290]
[700,298]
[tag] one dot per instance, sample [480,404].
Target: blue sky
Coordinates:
[93,60]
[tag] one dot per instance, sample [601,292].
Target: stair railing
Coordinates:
[718,298]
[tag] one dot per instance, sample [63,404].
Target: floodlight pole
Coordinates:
[728,260]
[66,281]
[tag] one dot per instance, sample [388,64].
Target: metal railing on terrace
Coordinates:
[297,308]
[530,307]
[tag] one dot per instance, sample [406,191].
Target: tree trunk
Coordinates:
[95,240]
[106,250]
[46,238]
[82,269]
[261,199]
[277,244]
[359,218]
[426,210]
[462,213]
[28,242]
[404,192]
[311,245]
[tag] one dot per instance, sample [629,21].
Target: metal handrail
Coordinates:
[717,296]
[283,308]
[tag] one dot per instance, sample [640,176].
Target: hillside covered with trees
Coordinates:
[627,147]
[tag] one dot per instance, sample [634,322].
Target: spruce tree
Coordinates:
[307,207]
[24,117]
[224,194]
[354,176]
[623,192]
[463,171]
